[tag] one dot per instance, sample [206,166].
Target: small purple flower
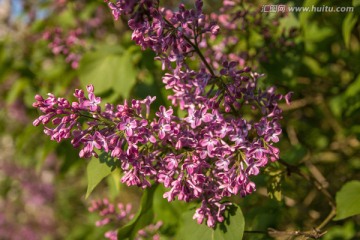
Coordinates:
[238,137]
[223,164]
[128,125]
[171,162]
[192,118]
[209,142]
[223,130]
[147,101]
[204,116]
[262,127]
[115,11]
[166,114]
[175,190]
[163,128]
[101,140]
[90,143]
[93,101]
[288,97]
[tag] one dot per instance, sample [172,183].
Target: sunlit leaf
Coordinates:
[67,18]
[347,200]
[100,70]
[354,88]
[97,170]
[275,173]
[305,15]
[314,66]
[108,71]
[231,229]
[348,24]
[127,75]
[274,187]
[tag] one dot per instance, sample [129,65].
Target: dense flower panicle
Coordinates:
[209,154]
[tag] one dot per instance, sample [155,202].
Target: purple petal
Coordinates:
[288,97]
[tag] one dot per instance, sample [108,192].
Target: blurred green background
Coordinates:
[316,55]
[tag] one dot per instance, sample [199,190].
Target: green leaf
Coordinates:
[337,105]
[274,187]
[143,217]
[348,101]
[108,70]
[305,15]
[347,26]
[289,22]
[167,212]
[98,169]
[354,88]
[99,69]
[347,200]
[16,90]
[231,229]
[314,66]
[276,174]
[128,74]
[294,154]
[344,232]
[66,18]
[356,3]
[317,33]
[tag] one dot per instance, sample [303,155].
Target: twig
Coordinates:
[196,48]
[327,219]
[319,186]
[295,169]
[314,234]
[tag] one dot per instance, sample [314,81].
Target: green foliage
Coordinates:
[143,217]
[109,68]
[348,25]
[356,3]
[274,181]
[347,200]
[344,232]
[231,229]
[167,212]
[98,169]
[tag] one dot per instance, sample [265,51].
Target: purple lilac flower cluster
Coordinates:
[64,45]
[111,215]
[71,43]
[209,154]
[119,216]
